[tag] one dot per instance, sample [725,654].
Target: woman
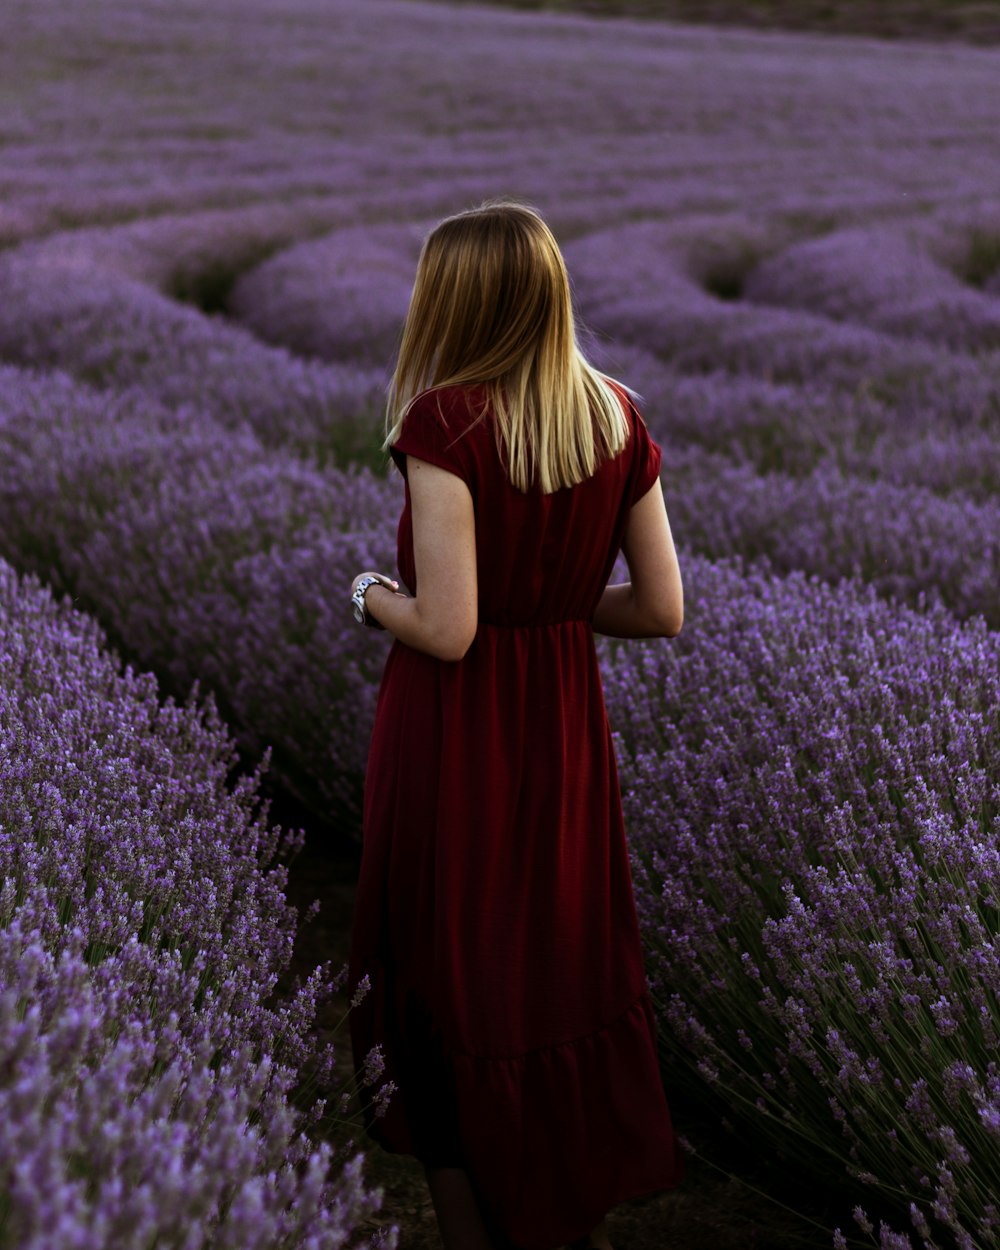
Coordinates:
[494,913]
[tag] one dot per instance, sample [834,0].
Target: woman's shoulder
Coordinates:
[454,410]
[439,426]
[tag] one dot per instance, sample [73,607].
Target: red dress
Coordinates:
[494,912]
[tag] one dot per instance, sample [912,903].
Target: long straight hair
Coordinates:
[491,306]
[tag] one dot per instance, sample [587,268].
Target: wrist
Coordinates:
[371,600]
[364,584]
[362,613]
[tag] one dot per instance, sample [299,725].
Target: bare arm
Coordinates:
[441,618]
[651,605]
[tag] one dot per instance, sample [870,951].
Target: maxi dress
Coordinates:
[494,913]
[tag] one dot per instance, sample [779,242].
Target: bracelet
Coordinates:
[361,613]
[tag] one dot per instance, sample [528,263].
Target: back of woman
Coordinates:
[541,557]
[494,915]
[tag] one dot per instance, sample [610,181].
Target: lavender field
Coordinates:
[972,21]
[790,245]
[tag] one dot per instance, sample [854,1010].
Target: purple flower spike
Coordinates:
[146,1077]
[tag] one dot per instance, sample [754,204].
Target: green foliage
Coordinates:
[983,259]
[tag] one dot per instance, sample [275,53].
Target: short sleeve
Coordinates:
[431,434]
[646,458]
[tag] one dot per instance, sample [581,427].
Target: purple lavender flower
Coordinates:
[146,1080]
[809,779]
[202,283]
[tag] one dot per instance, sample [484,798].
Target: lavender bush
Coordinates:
[795,428]
[208,557]
[810,783]
[145,1072]
[60,307]
[287,299]
[881,279]
[669,308]
[908,542]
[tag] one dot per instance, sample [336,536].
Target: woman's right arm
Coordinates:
[651,605]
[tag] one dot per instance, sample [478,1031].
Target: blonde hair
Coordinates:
[491,306]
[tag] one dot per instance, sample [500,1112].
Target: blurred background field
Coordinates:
[974,21]
[789,243]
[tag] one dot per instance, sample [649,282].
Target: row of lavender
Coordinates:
[390,110]
[815,842]
[757,790]
[164,1108]
[215,552]
[835,449]
[825,389]
[152,1089]
[811,779]
[209,549]
[206,555]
